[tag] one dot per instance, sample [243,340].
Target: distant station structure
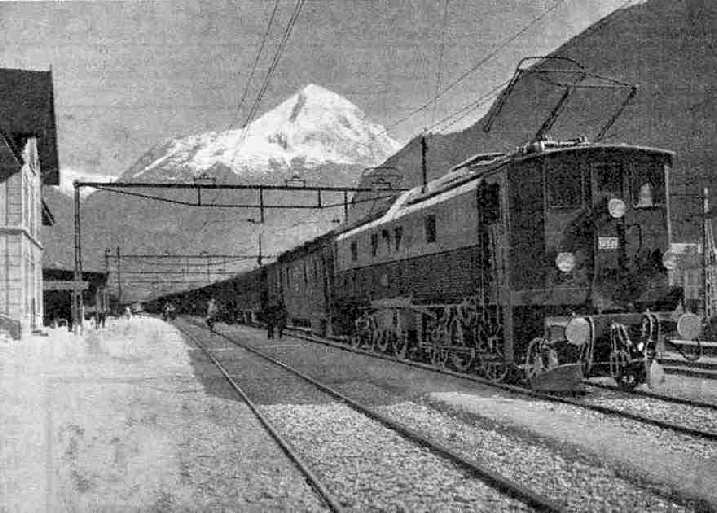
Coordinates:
[28,160]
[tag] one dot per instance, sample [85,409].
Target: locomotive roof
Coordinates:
[466,176]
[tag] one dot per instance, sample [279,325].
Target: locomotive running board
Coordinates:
[563,378]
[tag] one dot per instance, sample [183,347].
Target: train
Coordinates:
[549,265]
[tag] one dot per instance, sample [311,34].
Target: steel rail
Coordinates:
[652,395]
[497,481]
[708,435]
[313,480]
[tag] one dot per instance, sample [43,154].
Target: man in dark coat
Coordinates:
[270,319]
[281,316]
[212,312]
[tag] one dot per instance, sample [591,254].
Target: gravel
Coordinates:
[582,480]
[370,468]
[660,438]
[577,485]
[696,417]
[365,465]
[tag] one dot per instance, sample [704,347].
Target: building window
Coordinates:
[354,251]
[374,244]
[386,236]
[430,225]
[398,236]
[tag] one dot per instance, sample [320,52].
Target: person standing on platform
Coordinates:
[270,319]
[212,311]
[102,305]
[281,316]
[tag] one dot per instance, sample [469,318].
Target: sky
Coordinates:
[129,75]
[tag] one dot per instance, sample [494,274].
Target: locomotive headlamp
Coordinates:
[689,326]
[616,208]
[565,262]
[669,260]
[578,331]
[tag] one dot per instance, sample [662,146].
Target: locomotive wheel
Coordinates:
[461,361]
[400,345]
[439,357]
[493,367]
[356,340]
[632,377]
[382,340]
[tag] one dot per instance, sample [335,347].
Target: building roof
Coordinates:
[27,108]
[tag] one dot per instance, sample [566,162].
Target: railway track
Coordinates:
[661,418]
[494,488]
[693,369]
[653,395]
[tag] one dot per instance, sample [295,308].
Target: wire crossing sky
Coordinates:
[129,75]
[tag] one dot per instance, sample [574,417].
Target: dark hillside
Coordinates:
[666,47]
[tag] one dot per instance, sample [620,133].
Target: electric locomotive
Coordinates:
[552,261]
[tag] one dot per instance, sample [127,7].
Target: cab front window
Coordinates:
[647,185]
[609,176]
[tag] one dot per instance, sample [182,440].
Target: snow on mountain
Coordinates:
[311,128]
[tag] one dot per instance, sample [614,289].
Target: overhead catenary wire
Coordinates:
[468,108]
[502,45]
[440,57]
[256,62]
[272,67]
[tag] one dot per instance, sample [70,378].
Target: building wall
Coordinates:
[20,248]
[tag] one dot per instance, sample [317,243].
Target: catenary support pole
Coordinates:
[77,313]
[705,251]
[119,283]
[424,166]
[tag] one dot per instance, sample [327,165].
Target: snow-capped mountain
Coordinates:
[311,129]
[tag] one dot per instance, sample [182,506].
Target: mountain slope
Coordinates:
[316,134]
[314,127]
[667,47]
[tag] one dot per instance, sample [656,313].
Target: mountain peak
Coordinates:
[313,127]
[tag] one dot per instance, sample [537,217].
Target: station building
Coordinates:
[28,160]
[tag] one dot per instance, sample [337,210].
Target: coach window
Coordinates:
[374,244]
[564,185]
[430,226]
[354,251]
[398,236]
[386,236]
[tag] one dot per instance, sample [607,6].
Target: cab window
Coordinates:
[609,177]
[647,185]
[565,185]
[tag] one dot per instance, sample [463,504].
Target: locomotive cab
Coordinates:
[605,261]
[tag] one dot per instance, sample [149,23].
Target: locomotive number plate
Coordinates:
[607,243]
